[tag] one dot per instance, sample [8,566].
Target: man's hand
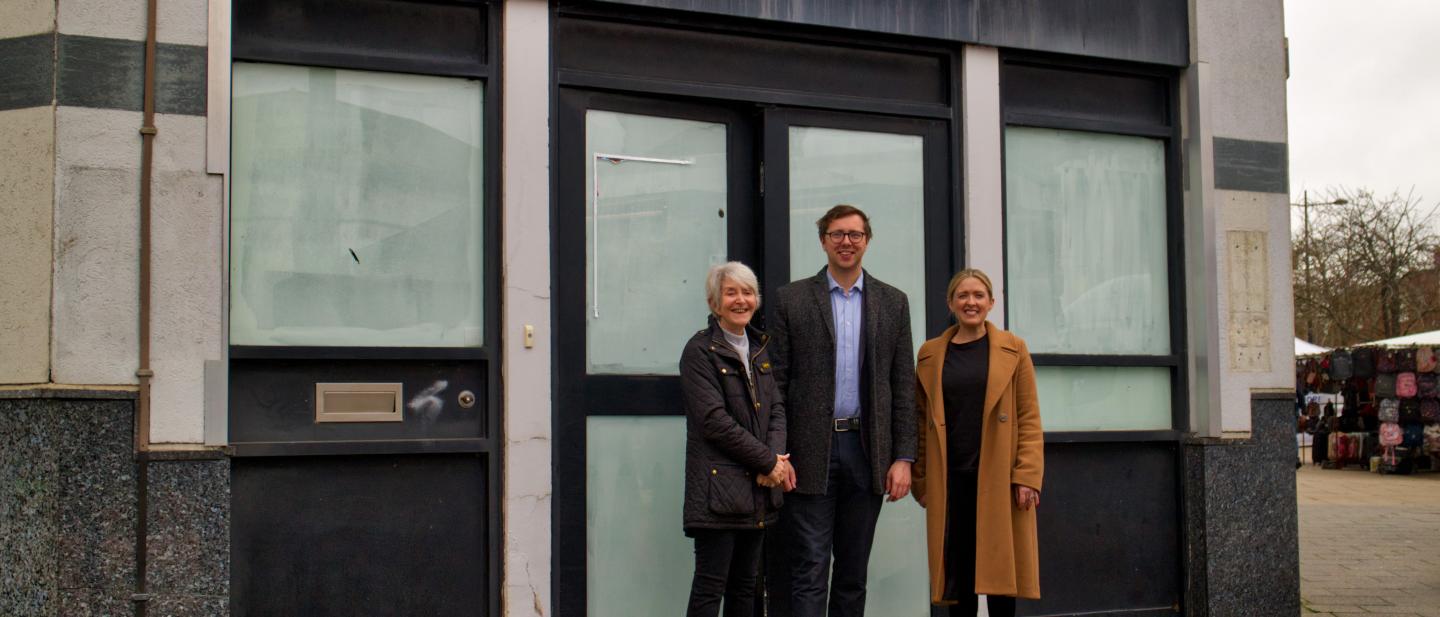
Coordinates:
[897,482]
[1026,497]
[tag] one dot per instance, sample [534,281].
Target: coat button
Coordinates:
[714,471]
[761,524]
[1004,417]
[757,405]
[723,371]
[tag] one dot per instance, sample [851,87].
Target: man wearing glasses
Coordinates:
[846,368]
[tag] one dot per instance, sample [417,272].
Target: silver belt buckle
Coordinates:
[846,424]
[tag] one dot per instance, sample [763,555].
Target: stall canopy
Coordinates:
[1306,348]
[1427,339]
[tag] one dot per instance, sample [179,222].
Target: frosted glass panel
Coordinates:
[355,208]
[655,223]
[1098,398]
[1085,238]
[638,561]
[899,581]
[880,173]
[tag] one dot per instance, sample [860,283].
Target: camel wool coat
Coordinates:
[1011,452]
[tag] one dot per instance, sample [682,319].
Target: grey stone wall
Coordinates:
[68,504]
[1241,526]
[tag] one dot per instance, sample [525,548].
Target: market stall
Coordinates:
[1376,405]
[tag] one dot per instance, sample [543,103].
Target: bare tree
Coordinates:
[1367,267]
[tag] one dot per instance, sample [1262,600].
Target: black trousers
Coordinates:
[727,562]
[960,551]
[841,521]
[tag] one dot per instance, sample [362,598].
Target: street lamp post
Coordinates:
[1309,262]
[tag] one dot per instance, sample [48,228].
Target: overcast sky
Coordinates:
[1364,95]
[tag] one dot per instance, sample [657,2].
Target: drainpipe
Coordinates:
[141,597]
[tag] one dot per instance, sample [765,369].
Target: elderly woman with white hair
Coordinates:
[735,465]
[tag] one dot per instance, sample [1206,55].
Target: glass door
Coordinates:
[653,193]
[892,168]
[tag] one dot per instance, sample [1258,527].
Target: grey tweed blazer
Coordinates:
[803,348]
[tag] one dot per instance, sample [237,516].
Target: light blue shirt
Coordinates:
[846,309]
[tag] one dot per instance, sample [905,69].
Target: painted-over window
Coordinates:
[355,208]
[1086,272]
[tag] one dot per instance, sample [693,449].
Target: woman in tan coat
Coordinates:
[981,457]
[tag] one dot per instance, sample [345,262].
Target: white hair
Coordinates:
[735,271]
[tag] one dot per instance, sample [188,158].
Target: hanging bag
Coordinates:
[1410,411]
[1405,386]
[1427,385]
[1385,385]
[1385,361]
[1341,365]
[1389,410]
[1414,436]
[1405,359]
[1425,360]
[1363,361]
[1391,435]
[1432,439]
[1429,410]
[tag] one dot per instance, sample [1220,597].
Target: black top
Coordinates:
[967,368]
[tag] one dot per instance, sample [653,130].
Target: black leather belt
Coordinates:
[847,424]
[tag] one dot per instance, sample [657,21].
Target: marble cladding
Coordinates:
[1241,524]
[68,513]
[189,537]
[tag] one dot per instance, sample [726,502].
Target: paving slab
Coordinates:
[1369,544]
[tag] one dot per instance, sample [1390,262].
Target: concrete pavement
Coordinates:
[1369,544]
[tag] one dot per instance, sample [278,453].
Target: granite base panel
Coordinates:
[68,513]
[1241,519]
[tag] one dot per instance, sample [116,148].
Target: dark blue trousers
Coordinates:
[842,522]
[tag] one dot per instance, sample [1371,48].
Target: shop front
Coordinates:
[423,270]
[685,139]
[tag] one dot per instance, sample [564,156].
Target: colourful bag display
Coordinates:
[1425,360]
[1405,386]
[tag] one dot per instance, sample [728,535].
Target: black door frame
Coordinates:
[759,111]
[378,36]
[1118,98]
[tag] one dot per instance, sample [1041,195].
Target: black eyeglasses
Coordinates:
[837,236]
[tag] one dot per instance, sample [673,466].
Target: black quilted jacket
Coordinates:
[734,427]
